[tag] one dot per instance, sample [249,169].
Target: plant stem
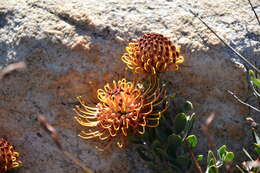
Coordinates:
[254,12]
[77,162]
[225,43]
[238,99]
[194,160]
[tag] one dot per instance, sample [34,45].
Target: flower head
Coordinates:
[151,54]
[8,156]
[124,109]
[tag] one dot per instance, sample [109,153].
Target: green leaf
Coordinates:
[191,118]
[141,151]
[174,141]
[229,157]
[222,151]
[257,149]
[192,141]
[212,169]
[200,157]
[256,169]
[190,123]
[251,73]
[256,81]
[211,160]
[253,78]
[187,106]
[180,122]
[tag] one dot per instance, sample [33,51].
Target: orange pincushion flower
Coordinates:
[124,109]
[8,156]
[153,53]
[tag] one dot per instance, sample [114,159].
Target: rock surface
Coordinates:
[73,47]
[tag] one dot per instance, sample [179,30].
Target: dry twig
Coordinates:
[53,133]
[225,43]
[195,161]
[254,12]
[205,130]
[10,68]
[244,103]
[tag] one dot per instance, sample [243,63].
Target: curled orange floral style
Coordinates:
[124,109]
[151,54]
[8,156]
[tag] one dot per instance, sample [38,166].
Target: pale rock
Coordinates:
[71,48]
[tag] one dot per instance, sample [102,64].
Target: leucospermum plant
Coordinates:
[165,148]
[8,156]
[124,109]
[151,54]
